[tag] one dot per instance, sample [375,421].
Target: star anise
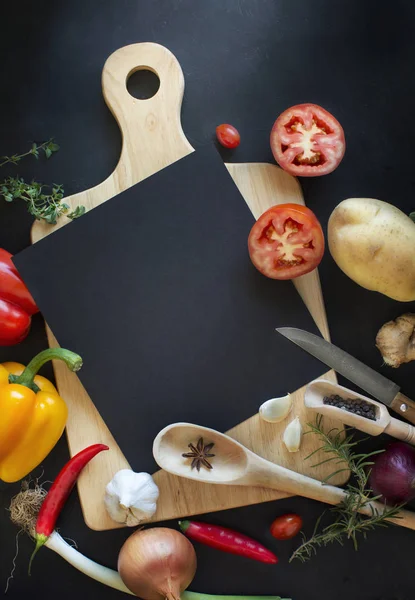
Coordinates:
[200,454]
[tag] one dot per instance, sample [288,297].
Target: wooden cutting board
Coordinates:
[152,139]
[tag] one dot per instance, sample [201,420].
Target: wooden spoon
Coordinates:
[313,399]
[233,464]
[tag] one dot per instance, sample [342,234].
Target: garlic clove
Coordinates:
[131,498]
[292,435]
[276,409]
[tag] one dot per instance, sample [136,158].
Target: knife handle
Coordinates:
[404,406]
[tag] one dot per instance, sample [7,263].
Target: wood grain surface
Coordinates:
[152,139]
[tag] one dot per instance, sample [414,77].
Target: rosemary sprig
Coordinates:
[348,523]
[43,202]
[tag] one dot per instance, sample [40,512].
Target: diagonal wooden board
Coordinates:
[152,139]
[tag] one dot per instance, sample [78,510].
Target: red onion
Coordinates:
[393,474]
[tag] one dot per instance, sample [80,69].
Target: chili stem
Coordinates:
[73,362]
[40,541]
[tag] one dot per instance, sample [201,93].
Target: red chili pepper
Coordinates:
[227,540]
[58,494]
[16,304]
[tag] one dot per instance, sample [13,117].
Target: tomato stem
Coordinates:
[73,362]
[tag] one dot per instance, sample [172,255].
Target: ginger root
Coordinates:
[396,340]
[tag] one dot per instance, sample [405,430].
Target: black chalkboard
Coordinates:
[156,291]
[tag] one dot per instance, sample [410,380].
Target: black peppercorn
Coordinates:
[354,406]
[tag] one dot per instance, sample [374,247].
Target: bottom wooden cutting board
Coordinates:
[153,139]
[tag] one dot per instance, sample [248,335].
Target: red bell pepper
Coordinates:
[16,304]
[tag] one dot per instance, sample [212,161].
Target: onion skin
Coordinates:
[393,474]
[157,564]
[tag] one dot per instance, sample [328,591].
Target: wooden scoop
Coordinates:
[318,389]
[233,464]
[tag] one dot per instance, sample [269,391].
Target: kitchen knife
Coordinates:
[369,380]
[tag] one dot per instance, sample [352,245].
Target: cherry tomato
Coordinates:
[307,141]
[228,136]
[287,241]
[286,526]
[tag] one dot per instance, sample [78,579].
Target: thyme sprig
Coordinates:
[348,523]
[44,202]
[48,148]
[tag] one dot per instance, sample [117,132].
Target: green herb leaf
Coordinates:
[48,148]
[43,202]
[412,216]
[78,212]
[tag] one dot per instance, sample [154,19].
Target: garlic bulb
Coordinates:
[130,497]
[276,409]
[292,435]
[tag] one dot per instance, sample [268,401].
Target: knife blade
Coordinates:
[354,370]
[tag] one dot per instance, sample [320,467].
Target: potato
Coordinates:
[373,242]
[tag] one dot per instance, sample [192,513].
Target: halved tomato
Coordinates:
[287,241]
[307,141]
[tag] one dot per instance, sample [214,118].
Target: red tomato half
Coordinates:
[228,136]
[307,141]
[287,241]
[286,526]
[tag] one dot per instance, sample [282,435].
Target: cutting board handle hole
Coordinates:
[143,83]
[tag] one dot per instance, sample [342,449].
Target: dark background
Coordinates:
[244,62]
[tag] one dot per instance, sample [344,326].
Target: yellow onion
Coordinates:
[157,564]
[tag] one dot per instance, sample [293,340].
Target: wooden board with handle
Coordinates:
[152,139]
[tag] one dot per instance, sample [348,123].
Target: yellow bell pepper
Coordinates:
[32,414]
